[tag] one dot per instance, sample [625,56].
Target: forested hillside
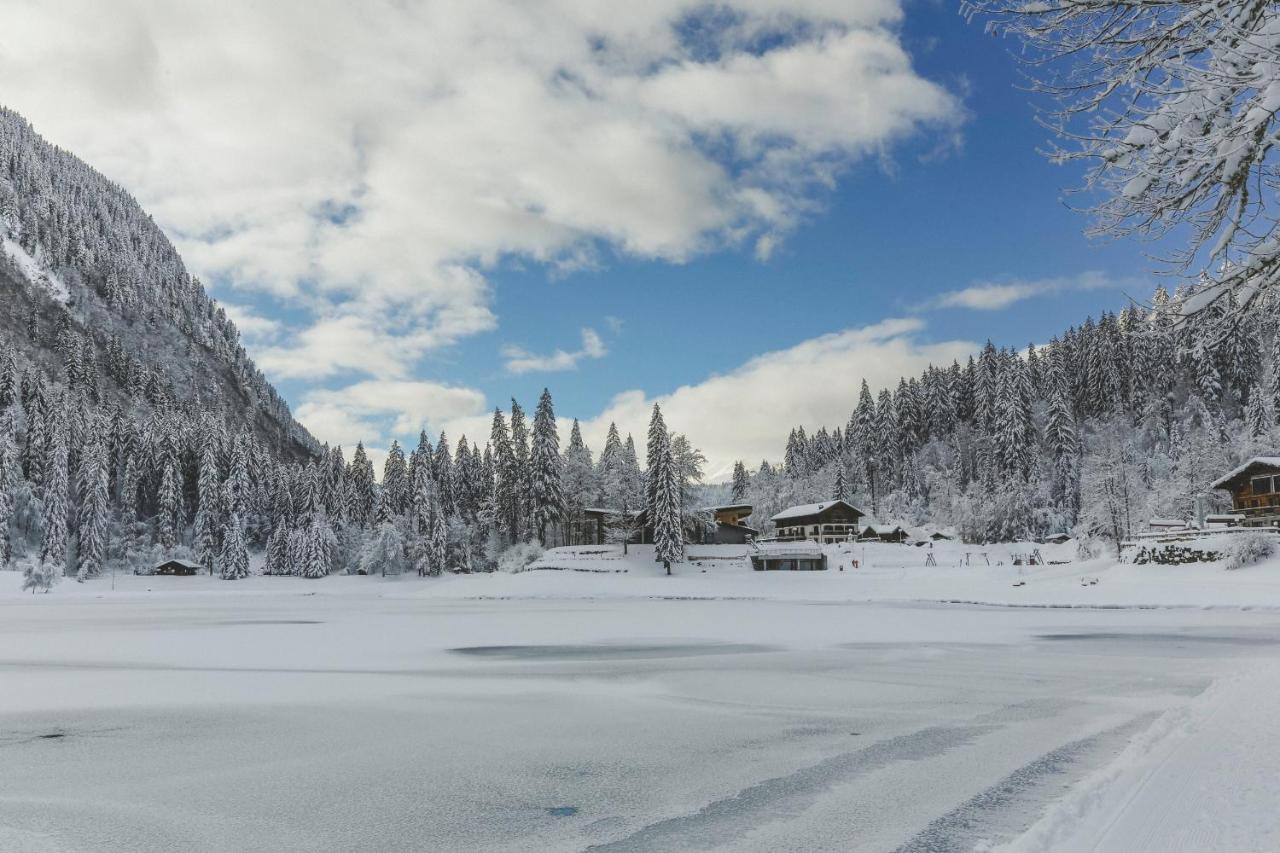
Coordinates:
[118,374]
[90,281]
[1117,421]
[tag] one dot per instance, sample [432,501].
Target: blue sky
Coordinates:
[750,211]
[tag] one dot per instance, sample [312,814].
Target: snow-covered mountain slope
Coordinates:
[88,279]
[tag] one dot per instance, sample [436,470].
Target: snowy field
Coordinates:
[612,708]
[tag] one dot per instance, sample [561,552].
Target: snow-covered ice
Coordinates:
[577,710]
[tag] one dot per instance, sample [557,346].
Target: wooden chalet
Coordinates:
[729,529]
[830,521]
[883,533]
[1255,491]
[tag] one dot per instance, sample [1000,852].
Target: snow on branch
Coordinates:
[1173,106]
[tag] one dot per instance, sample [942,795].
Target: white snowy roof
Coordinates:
[812,509]
[727,508]
[1167,522]
[882,529]
[188,563]
[801,546]
[1273,461]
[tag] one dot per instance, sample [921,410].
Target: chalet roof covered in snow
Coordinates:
[1268,461]
[886,529]
[744,509]
[186,564]
[799,548]
[812,509]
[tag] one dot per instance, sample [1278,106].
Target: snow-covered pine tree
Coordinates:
[276,559]
[659,442]
[839,488]
[1063,442]
[463,487]
[94,509]
[297,557]
[609,470]
[234,561]
[438,545]
[632,478]
[911,432]
[1259,414]
[443,474]
[423,493]
[53,547]
[666,514]
[520,469]
[208,521]
[1012,420]
[363,494]
[8,469]
[888,459]
[167,497]
[238,485]
[421,456]
[395,481]
[546,488]
[321,547]
[506,495]
[1274,388]
[741,482]
[581,487]
[986,387]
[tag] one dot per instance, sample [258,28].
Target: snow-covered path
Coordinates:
[270,718]
[1203,777]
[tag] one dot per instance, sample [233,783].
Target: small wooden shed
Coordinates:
[178,567]
[789,557]
[884,533]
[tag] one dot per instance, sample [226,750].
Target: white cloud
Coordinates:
[373,161]
[520,360]
[379,410]
[253,326]
[992,296]
[746,413]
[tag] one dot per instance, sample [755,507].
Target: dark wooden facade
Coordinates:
[1255,491]
[178,567]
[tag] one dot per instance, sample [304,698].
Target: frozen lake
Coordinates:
[368,721]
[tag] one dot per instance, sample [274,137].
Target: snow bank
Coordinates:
[872,572]
[1201,778]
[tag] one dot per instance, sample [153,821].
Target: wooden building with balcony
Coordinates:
[830,521]
[1255,491]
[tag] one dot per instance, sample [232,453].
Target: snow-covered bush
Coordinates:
[519,557]
[1086,548]
[1249,548]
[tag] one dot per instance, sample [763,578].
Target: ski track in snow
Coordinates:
[723,821]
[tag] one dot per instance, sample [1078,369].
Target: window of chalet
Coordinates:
[1261,485]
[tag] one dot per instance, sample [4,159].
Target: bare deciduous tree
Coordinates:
[1173,105]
